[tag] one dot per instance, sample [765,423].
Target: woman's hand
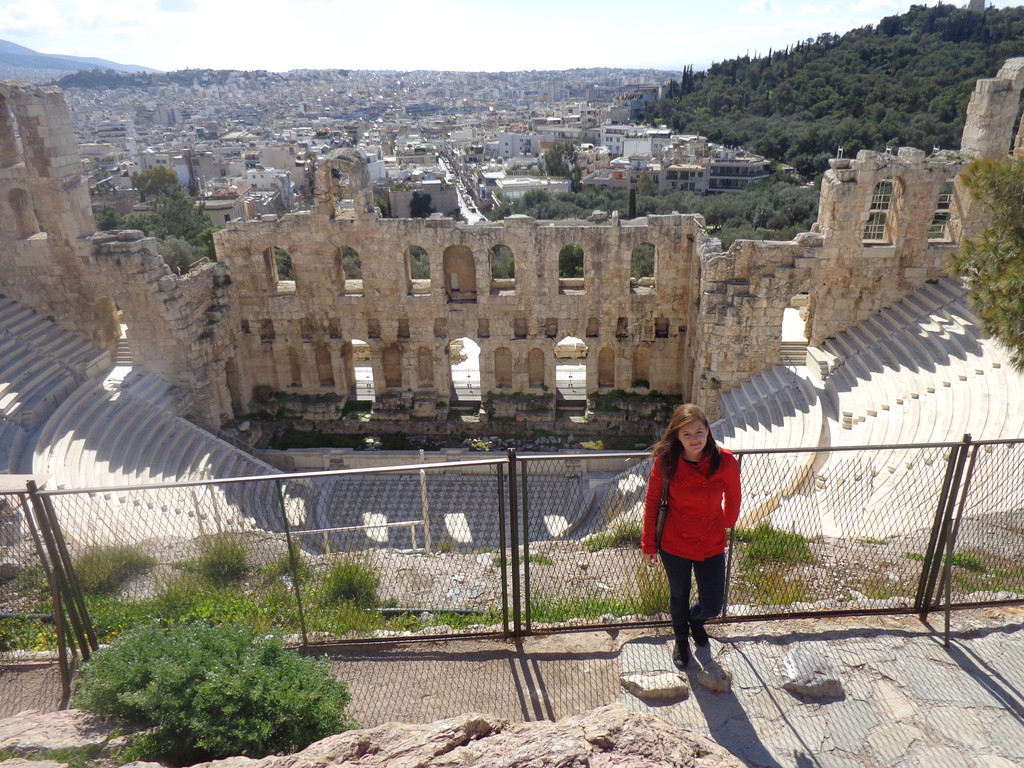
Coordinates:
[652,560]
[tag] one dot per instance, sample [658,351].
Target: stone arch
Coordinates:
[503,367]
[351,271]
[459,273]
[425,368]
[22,212]
[503,268]
[357,354]
[571,270]
[641,268]
[343,183]
[324,366]
[535,368]
[391,363]
[270,269]
[464,356]
[417,271]
[593,327]
[234,384]
[641,366]
[606,367]
[571,368]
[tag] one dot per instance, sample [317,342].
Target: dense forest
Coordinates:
[904,82]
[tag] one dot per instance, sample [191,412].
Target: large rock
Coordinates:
[607,737]
[32,732]
[806,671]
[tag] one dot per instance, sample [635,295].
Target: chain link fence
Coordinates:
[504,546]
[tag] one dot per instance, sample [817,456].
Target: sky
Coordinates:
[466,35]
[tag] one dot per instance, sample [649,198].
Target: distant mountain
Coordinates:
[14,57]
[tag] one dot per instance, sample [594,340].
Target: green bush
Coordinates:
[103,570]
[622,533]
[350,580]
[207,692]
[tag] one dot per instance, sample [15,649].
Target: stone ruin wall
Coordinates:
[710,321]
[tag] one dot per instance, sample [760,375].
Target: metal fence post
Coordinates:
[501,546]
[728,560]
[293,562]
[933,562]
[526,544]
[60,562]
[513,518]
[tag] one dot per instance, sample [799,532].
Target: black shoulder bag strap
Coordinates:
[662,509]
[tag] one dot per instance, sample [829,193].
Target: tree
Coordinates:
[993,262]
[109,218]
[175,215]
[570,261]
[560,159]
[419,206]
[178,254]
[154,182]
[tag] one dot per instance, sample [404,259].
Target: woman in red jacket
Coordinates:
[703,485]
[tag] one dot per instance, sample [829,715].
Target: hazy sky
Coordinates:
[279,35]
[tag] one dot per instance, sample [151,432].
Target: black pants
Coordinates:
[710,575]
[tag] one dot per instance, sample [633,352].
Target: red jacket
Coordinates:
[697,518]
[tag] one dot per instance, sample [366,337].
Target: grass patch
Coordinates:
[617,443]
[531,559]
[223,560]
[621,533]
[769,587]
[103,570]
[652,589]
[765,544]
[349,580]
[72,757]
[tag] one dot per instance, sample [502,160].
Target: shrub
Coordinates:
[103,570]
[210,692]
[350,580]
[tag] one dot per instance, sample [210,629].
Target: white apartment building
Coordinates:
[518,144]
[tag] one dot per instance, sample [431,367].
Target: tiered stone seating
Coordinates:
[40,365]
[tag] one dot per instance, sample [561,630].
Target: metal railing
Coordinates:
[507,546]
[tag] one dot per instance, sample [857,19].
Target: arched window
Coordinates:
[324,369]
[459,273]
[875,228]
[417,262]
[503,268]
[425,368]
[641,268]
[641,366]
[938,231]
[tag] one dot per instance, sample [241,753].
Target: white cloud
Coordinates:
[758,6]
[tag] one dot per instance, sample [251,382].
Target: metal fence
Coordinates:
[504,546]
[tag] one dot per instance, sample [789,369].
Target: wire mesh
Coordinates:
[988,558]
[430,549]
[26,622]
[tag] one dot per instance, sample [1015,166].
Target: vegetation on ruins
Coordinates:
[183,230]
[993,262]
[775,209]
[209,692]
[904,82]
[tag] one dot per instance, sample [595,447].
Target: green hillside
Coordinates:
[904,82]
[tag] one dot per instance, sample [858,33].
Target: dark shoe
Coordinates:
[700,635]
[681,654]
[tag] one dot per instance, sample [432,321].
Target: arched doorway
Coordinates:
[571,371]
[363,371]
[464,354]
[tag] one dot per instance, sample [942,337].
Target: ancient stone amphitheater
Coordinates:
[851,334]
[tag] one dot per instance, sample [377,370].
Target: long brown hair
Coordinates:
[669,449]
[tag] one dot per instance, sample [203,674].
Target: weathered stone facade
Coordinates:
[708,320]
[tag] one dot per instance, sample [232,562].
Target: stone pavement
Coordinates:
[900,698]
